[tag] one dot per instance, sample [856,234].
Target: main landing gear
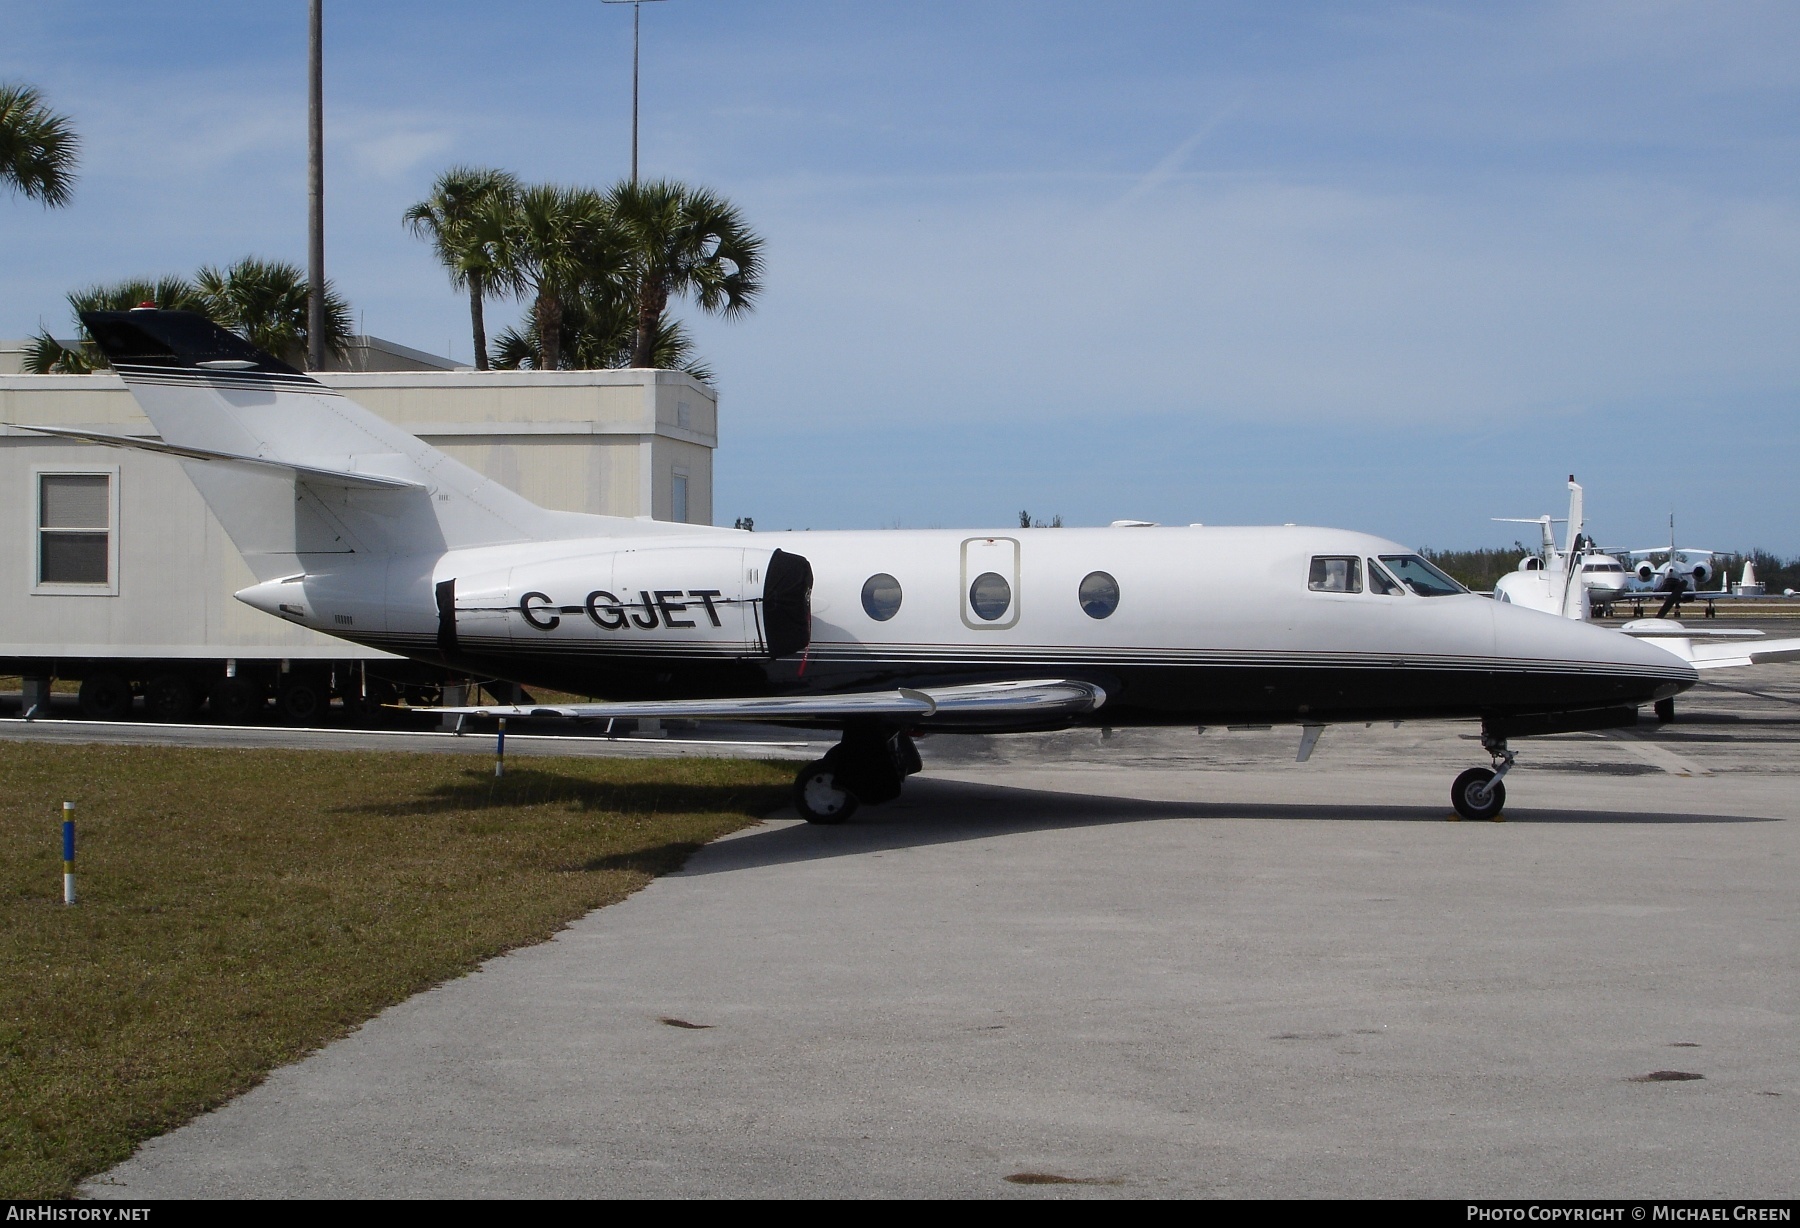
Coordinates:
[869,765]
[1478,793]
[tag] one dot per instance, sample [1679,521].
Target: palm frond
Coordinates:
[39,149]
[265,302]
[48,356]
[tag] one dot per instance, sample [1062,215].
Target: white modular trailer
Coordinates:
[112,568]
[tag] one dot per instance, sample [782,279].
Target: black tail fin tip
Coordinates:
[176,339]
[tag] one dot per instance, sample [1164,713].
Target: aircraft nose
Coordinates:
[1586,664]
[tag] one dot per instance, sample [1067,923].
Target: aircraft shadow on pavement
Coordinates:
[946,811]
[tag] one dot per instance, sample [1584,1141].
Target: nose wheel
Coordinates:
[1478,793]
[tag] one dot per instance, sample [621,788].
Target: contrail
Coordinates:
[1166,169]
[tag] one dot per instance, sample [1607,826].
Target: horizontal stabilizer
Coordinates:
[986,699]
[309,473]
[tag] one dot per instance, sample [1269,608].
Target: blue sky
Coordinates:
[1392,267]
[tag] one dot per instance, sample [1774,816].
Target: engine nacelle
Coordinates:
[688,600]
[1702,573]
[1646,571]
[1531,562]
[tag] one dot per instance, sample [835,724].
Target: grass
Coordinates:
[241,908]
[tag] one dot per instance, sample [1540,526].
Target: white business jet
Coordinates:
[1675,572]
[1602,576]
[354,528]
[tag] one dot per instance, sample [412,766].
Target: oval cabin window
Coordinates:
[881,597]
[1099,594]
[990,596]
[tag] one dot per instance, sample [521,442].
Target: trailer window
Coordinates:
[75,530]
[1331,574]
[1421,577]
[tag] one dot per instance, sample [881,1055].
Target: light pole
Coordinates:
[315,190]
[636,13]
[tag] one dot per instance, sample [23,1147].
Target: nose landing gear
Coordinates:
[1478,793]
[869,765]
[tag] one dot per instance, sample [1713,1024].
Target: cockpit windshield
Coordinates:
[1421,577]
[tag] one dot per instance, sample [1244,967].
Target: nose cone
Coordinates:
[1581,664]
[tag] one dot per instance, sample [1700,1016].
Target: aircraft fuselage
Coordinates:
[1200,624]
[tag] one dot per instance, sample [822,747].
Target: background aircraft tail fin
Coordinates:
[1575,513]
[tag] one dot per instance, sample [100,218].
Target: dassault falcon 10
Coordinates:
[354,528]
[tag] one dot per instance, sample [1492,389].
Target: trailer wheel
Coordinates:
[237,701]
[302,700]
[105,697]
[170,699]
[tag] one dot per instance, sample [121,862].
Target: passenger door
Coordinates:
[990,583]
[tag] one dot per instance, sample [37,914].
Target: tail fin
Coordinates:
[294,471]
[1575,512]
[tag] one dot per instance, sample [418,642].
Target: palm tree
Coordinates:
[38,147]
[465,218]
[264,301]
[558,243]
[682,241]
[599,327]
[49,356]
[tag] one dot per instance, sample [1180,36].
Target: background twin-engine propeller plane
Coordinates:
[354,528]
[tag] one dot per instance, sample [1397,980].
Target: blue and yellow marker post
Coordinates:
[68,852]
[500,750]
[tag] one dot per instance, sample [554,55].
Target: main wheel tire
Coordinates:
[237,701]
[819,798]
[302,701]
[1469,798]
[105,697]
[1665,711]
[171,699]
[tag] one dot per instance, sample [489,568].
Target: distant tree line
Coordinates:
[1478,569]
[597,269]
[1481,569]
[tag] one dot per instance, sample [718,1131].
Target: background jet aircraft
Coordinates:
[1565,591]
[1603,576]
[354,528]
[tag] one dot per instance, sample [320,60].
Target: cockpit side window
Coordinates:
[1381,582]
[1421,577]
[1331,574]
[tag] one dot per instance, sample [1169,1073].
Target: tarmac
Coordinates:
[1139,965]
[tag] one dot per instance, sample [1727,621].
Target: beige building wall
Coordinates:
[608,442]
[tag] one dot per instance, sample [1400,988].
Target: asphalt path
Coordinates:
[1150,964]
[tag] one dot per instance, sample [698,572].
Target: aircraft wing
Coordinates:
[1725,656]
[1032,698]
[1715,649]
